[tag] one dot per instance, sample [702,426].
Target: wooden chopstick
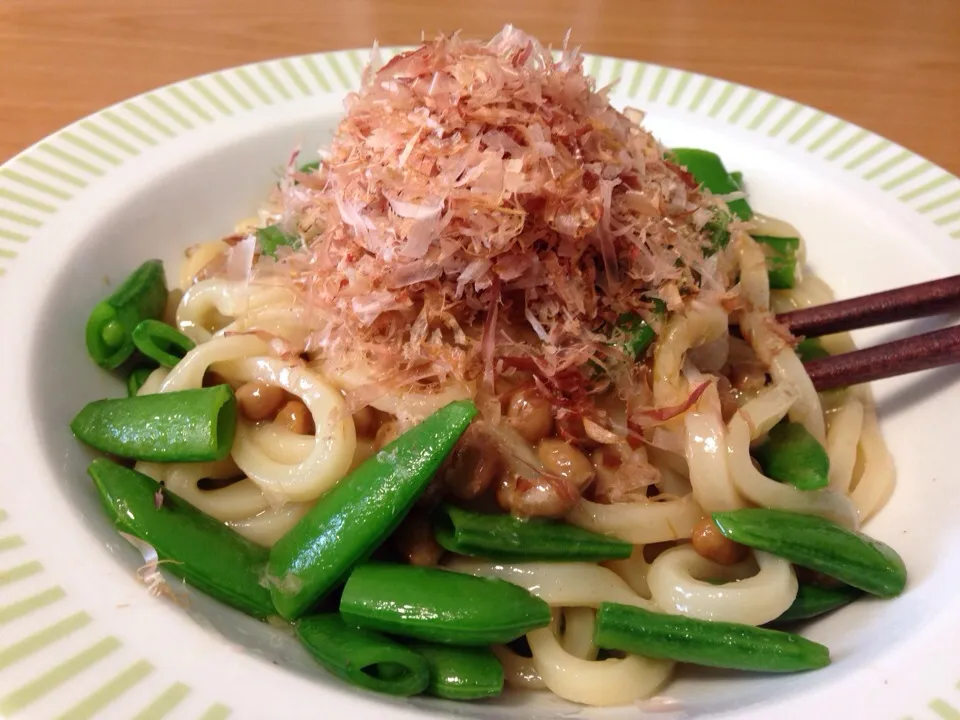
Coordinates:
[900,357]
[905,303]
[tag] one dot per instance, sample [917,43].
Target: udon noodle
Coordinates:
[443,258]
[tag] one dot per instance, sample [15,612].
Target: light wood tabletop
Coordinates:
[892,66]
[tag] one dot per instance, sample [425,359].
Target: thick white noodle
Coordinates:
[754,284]
[206,300]
[875,484]
[640,523]
[272,524]
[564,584]
[189,372]
[407,407]
[786,368]
[677,588]
[518,671]
[842,438]
[706,453]
[763,491]
[603,683]
[154,381]
[633,570]
[334,442]
[578,624]
[699,324]
[767,409]
[238,501]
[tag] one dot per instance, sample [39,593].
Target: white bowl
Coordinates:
[154,175]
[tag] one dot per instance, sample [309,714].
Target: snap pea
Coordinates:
[201,550]
[792,455]
[815,600]
[708,170]
[185,426]
[439,606]
[811,349]
[162,343]
[781,254]
[136,379]
[504,537]
[271,237]
[704,642]
[363,658]
[352,519]
[461,673]
[737,177]
[109,332]
[819,544]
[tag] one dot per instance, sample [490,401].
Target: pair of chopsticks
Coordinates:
[900,357]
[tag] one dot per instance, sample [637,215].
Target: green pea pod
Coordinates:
[161,343]
[811,349]
[815,600]
[704,642]
[504,537]
[737,177]
[819,544]
[781,254]
[185,426]
[792,455]
[439,606]
[364,658]
[357,515]
[141,296]
[708,170]
[461,673]
[136,379]
[272,237]
[193,546]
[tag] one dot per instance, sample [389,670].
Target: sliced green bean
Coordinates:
[819,544]
[439,606]
[781,254]
[815,600]
[272,237]
[193,546]
[363,658]
[704,642]
[352,519]
[792,455]
[162,343]
[708,170]
[461,673]
[504,537]
[184,426]
[136,379]
[109,332]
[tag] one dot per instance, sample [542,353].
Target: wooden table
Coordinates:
[892,66]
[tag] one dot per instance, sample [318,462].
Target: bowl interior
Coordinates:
[198,191]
